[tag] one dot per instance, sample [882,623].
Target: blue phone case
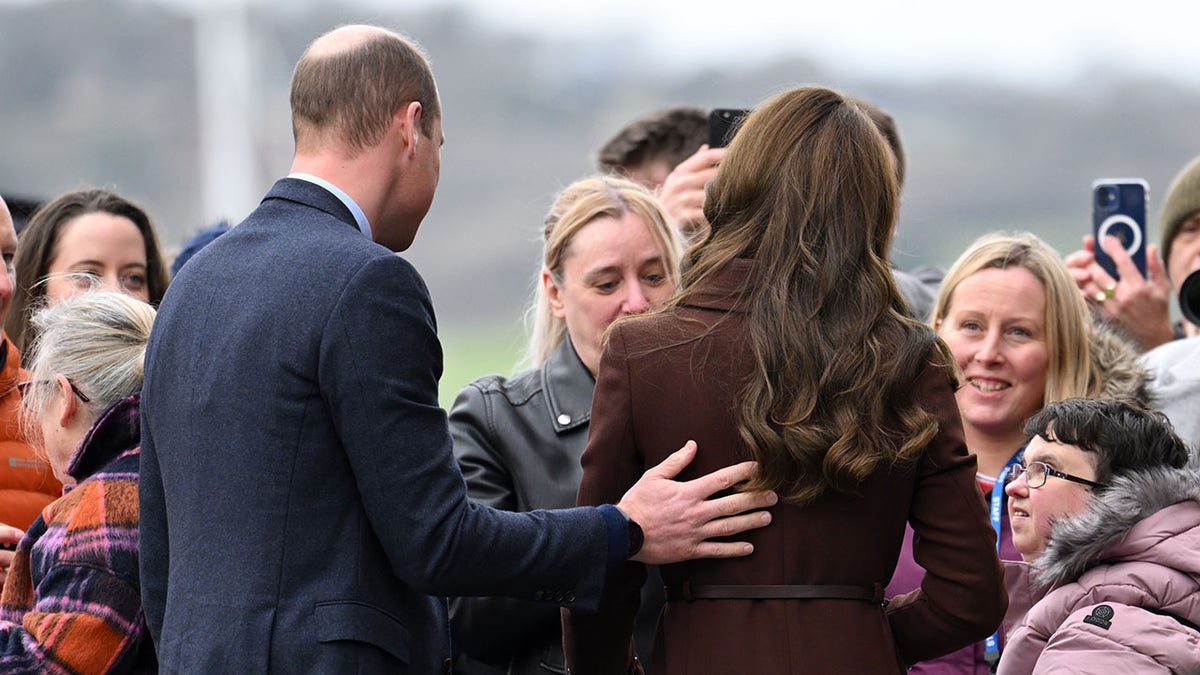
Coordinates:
[1119,210]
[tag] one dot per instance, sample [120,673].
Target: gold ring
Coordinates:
[1110,290]
[1100,296]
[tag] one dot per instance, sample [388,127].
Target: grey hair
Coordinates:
[98,341]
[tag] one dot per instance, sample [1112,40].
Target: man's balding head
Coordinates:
[349,83]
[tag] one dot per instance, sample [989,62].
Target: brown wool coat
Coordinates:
[648,403]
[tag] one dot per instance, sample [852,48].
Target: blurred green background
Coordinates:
[473,351]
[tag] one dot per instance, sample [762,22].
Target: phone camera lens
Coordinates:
[1189,297]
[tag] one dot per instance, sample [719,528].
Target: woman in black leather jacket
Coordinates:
[607,251]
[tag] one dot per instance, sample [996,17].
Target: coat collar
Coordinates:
[725,289]
[10,372]
[569,387]
[1115,523]
[312,195]
[115,432]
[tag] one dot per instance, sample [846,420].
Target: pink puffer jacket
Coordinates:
[1125,575]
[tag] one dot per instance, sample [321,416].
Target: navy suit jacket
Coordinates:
[300,503]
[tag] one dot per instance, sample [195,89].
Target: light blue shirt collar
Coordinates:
[359,216]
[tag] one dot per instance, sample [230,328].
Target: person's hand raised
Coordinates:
[1139,305]
[9,538]
[682,193]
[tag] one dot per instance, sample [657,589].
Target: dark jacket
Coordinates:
[297,477]
[660,385]
[518,441]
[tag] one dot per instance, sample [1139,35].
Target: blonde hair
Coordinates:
[1068,323]
[97,340]
[576,207]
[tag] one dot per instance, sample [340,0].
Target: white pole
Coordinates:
[225,95]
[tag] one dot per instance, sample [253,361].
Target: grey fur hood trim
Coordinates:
[1115,363]
[1077,542]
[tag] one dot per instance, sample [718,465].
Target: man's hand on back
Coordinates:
[677,518]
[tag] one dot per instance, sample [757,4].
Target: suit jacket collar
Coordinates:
[569,387]
[312,195]
[724,290]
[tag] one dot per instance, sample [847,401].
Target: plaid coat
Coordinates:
[72,601]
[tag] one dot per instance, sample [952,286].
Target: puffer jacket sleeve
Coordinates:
[1106,638]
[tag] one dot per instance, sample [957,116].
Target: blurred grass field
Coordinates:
[473,351]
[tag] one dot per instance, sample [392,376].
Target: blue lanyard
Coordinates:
[991,646]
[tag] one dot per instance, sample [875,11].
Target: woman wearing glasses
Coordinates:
[1108,513]
[71,602]
[1022,337]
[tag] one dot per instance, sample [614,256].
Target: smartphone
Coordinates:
[723,123]
[1119,210]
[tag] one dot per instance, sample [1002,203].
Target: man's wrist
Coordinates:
[623,535]
[634,536]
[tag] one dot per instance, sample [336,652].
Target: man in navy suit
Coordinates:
[300,504]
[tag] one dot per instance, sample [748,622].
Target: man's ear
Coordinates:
[553,295]
[412,124]
[70,404]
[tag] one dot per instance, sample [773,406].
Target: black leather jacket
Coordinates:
[518,441]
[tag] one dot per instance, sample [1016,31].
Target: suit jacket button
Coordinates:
[570,597]
[564,419]
[448,666]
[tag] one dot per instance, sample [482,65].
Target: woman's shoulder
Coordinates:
[928,359]
[1119,637]
[518,387]
[672,327]
[97,521]
[108,498]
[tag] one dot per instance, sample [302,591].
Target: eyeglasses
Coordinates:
[1036,472]
[23,387]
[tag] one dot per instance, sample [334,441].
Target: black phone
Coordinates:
[1119,210]
[723,123]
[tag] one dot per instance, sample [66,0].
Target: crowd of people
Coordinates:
[744,442]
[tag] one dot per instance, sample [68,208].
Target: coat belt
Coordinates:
[688,591]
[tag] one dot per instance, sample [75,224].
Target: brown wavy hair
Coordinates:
[809,192]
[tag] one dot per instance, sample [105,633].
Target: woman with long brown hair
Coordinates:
[789,344]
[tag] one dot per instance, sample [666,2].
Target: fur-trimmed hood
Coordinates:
[1101,533]
[1115,364]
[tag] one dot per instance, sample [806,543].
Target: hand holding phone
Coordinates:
[1119,210]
